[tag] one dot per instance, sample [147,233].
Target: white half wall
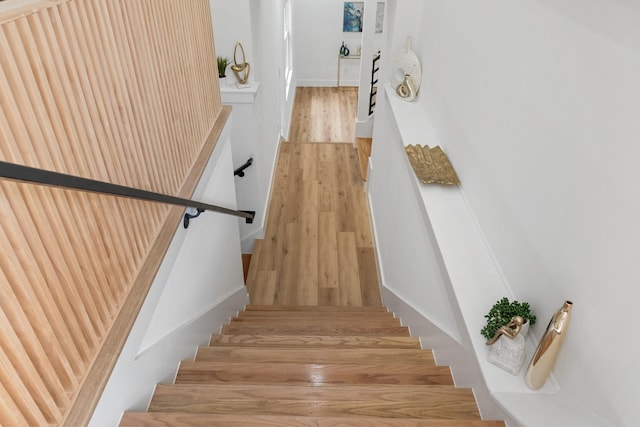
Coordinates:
[198,287]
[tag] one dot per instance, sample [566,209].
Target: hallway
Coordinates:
[318,246]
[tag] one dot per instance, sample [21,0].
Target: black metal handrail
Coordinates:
[56,179]
[240,171]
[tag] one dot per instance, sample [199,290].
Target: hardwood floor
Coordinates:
[324,114]
[318,245]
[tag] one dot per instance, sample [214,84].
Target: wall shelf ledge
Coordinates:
[233,94]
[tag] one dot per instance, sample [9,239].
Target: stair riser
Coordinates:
[312,330]
[311,374]
[317,342]
[310,323]
[340,309]
[330,315]
[312,355]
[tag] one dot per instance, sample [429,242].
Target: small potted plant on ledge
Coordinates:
[223,62]
[501,314]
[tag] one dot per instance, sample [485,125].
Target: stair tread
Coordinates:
[155,419]
[312,373]
[285,329]
[314,341]
[345,400]
[312,355]
[319,308]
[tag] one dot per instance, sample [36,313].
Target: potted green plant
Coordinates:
[501,314]
[223,62]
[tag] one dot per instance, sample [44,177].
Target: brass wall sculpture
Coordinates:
[431,165]
[545,355]
[240,70]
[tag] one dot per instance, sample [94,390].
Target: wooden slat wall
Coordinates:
[123,91]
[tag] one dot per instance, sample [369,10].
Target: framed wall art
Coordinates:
[353,17]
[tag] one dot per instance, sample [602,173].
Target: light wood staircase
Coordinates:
[311,366]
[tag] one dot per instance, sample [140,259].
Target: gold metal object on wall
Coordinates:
[545,355]
[240,70]
[431,165]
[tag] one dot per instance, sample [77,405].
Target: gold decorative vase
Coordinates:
[545,355]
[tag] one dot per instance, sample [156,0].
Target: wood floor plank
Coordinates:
[327,251]
[168,419]
[348,272]
[329,296]
[308,162]
[327,175]
[265,286]
[308,244]
[371,400]
[308,217]
[362,224]
[289,283]
[253,266]
[341,202]
[317,341]
[315,374]
[368,275]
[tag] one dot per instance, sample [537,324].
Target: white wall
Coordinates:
[318,34]
[259,24]
[198,287]
[535,103]
[230,19]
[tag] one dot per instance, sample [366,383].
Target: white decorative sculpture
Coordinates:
[406,72]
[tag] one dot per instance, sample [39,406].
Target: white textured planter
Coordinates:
[524,329]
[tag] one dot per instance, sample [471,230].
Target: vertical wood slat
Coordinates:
[123,91]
